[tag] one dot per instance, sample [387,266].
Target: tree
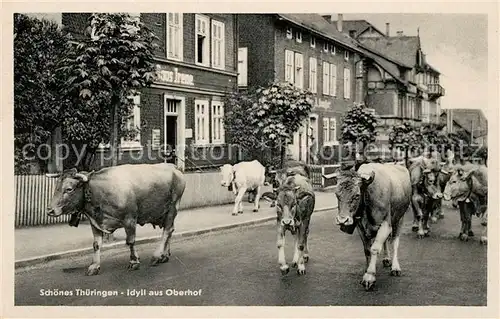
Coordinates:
[358,127]
[404,137]
[268,117]
[104,71]
[38,46]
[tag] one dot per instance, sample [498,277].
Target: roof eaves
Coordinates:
[320,33]
[380,54]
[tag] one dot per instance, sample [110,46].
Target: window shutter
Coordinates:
[326,78]
[333,80]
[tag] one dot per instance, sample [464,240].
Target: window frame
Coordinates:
[298,36]
[326,78]
[180,39]
[222,40]
[298,76]
[346,55]
[333,79]
[289,57]
[208,39]
[136,121]
[312,42]
[325,46]
[333,50]
[205,116]
[313,76]
[347,83]
[289,33]
[220,117]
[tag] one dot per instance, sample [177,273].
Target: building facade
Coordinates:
[307,51]
[180,116]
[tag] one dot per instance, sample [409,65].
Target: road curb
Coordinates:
[186,234]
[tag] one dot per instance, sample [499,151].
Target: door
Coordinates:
[171,136]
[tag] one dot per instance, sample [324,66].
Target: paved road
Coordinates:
[239,267]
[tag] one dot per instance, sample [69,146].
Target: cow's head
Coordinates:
[68,196]
[287,204]
[430,184]
[459,185]
[227,176]
[350,192]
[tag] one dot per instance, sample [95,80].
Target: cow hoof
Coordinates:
[301,271]
[441,216]
[240,212]
[434,220]
[420,235]
[396,272]
[414,228]
[294,265]
[471,233]
[93,270]
[387,263]
[306,259]
[284,270]
[368,281]
[133,265]
[234,214]
[483,240]
[427,233]
[164,259]
[158,260]
[255,210]
[273,205]
[464,237]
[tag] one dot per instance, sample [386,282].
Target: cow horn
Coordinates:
[445,172]
[81,177]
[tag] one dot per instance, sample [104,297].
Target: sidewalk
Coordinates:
[38,244]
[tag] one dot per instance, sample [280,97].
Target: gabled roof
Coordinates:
[359,26]
[470,118]
[389,66]
[400,48]
[317,24]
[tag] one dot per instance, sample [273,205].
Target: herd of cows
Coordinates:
[372,198]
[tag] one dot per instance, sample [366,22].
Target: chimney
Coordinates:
[387,29]
[400,33]
[339,22]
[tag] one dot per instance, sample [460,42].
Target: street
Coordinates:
[240,267]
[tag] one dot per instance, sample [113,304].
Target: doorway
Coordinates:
[171,135]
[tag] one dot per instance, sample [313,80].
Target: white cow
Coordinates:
[243,177]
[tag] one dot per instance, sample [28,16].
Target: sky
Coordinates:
[455,44]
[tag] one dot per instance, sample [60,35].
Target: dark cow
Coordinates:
[374,200]
[277,177]
[426,195]
[469,187]
[121,197]
[295,205]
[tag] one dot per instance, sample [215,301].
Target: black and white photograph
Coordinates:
[217,157]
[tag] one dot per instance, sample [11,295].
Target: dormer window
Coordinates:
[298,37]
[313,42]
[289,33]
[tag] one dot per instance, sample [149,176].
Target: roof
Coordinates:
[389,66]
[468,118]
[316,23]
[430,67]
[400,48]
[359,26]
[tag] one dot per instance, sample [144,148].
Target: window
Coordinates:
[201,121]
[326,128]
[333,80]
[313,42]
[347,83]
[333,130]
[133,122]
[289,66]
[298,37]
[425,112]
[313,75]
[332,49]
[218,45]
[346,55]
[326,78]
[174,36]
[242,66]
[202,44]
[299,71]
[325,46]
[217,122]
[289,33]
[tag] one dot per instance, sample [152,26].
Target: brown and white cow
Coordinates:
[374,199]
[121,197]
[277,177]
[243,177]
[294,206]
[468,186]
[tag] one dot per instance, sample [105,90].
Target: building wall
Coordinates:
[383,101]
[260,45]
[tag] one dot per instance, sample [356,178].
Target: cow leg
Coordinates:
[417,212]
[238,205]
[366,247]
[396,268]
[387,253]
[162,252]
[134,263]
[281,250]
[257,198]
[94,268]
[375,249]
[425,221]
[306,246]
[296,253]
[301,233]
[466,216]
[484,224]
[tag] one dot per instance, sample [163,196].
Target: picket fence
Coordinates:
[34,192]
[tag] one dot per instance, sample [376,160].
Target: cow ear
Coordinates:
[82,177]
[467,175]
[367,178]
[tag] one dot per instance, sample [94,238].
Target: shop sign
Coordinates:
[173,76]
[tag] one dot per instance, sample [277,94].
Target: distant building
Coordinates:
[472,121]
[309,52]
